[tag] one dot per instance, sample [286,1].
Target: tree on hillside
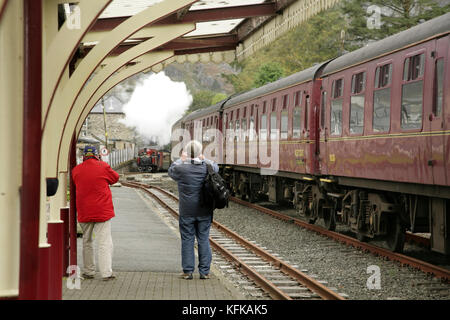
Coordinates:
[377,19]
[314,41]
[267,73]
[243,79]
[201,99]
[218,97]
[205,98]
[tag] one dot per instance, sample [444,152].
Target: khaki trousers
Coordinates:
[102,232]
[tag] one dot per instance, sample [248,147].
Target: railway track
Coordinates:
[428,268]
[276,277]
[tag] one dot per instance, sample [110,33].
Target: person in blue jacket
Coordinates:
[194,220]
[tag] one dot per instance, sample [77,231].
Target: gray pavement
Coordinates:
[142,241]
[146,260]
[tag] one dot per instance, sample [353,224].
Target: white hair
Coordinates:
[193,149]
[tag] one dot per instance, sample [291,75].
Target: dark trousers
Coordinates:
[191,228]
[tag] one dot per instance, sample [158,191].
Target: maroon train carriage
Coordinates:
[364,139]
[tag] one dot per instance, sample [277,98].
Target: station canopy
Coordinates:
[220,24]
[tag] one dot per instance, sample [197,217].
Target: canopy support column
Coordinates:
[31,157]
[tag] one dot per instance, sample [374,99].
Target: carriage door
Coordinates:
[322,133]
[437,159]
[439,211]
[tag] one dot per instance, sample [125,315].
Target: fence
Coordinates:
[120,156]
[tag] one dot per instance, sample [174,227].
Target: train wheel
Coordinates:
[253,195]
[306,206]
[361,237]
[329,218]
[310,216]
[395,238]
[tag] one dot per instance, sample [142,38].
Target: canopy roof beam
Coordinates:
[205,15]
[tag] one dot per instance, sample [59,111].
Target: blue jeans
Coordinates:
[191,228]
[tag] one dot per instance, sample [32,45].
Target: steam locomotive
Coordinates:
[152,160]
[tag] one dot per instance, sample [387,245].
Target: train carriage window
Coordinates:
[251,134]
[382,99]
[306,112]
[338,88]
[383,76]
[358,82]
[238,131]
[411,117]
[230,130]
[284,125]
[336,107]
[199,134]
[263,127]
[244,132]
[285,101]
[412,92]
[413,67]
[205,136]
[297,98]
[336,117]
[296,122]
[323,104]
[357,114]
[273,126]
[439,87]
[357,103]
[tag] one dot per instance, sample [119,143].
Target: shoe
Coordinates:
[187,276]
[204,276]
[111,277]
[87,276]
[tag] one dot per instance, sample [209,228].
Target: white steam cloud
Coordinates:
[155,106]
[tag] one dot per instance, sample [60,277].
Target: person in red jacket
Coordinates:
[95,210]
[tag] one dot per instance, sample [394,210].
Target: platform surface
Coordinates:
[146,260]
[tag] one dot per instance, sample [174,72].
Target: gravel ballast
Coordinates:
[350,270]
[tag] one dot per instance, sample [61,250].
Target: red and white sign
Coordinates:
[104,152]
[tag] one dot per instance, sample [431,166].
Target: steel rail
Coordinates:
[312,284]
[414,238]
[438,272]
[260,280]
[267,285]
[301,277]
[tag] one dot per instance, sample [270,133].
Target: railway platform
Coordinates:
[146,260]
